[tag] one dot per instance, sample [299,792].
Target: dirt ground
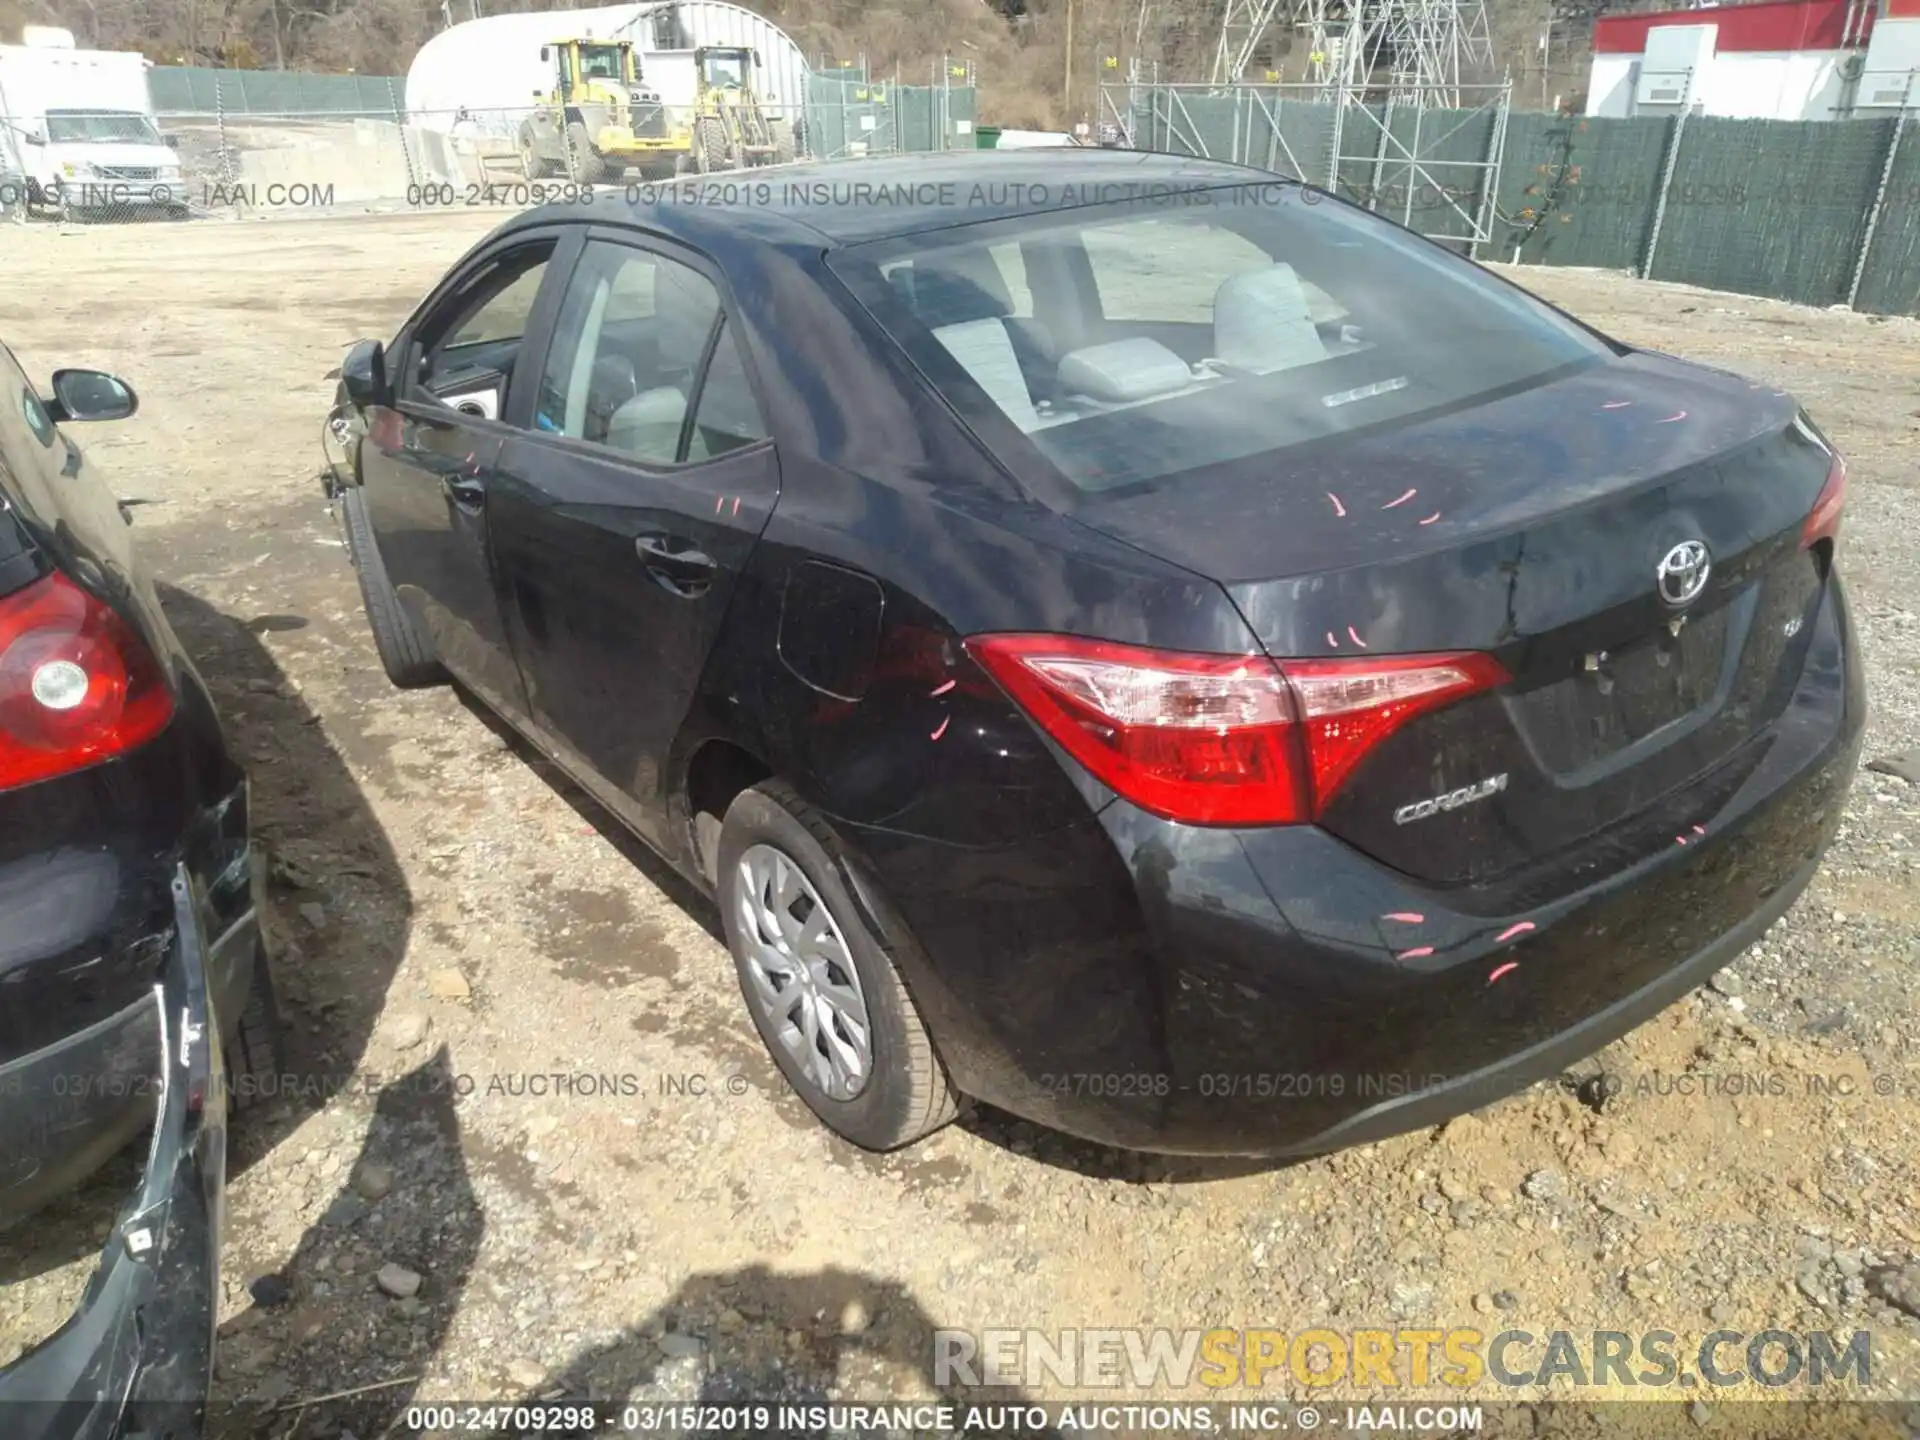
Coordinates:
[530,1080]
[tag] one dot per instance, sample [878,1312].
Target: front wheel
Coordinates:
[406,657]
[822,987]
[710,145]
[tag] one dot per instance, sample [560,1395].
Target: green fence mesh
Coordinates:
[1781,208]
[1770,207]
[1890,281]
[186,90]
[851,115]
[1575,191]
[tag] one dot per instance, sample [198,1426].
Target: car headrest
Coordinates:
[1261,319]
[954,288]
[1124,370]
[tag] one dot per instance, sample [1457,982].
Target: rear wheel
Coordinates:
[781,136]
[535,166]
[822,987]
[404,655]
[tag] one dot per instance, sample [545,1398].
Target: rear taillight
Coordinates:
[1221,739]
[77,686]
[1823,522]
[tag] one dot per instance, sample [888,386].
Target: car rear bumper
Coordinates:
[1274,992]
[136,1357]
[67,1108]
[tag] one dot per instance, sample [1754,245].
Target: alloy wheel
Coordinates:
[802,974]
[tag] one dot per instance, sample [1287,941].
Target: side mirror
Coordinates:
[172,142]
[756,59]
[363,375]
[546,52]
[91,395]
[34,137]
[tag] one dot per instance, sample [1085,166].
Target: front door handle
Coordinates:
[469,494]
[674,563]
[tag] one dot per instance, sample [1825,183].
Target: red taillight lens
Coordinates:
[1221,739]
[77,686]
[1823,522]
[1350,706]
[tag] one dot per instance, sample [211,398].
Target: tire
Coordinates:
[781,136]
[710,144]
[407,659]
[584,167]
[257,1057]
[904,1093]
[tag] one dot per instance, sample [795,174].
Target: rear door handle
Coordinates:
[470,495]
[675,564]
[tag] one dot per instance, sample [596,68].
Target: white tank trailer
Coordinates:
[481,77]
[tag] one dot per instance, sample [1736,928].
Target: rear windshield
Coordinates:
[1126,344]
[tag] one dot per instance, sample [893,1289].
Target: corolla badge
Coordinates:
[1682,573]
[1452,800]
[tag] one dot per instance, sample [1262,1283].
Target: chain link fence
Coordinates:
[1434,170]
[227,155]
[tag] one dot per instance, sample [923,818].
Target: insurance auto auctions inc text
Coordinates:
[1221,1360]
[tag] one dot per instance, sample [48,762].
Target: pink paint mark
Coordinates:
[943,728]
[1431,518]
[1677,415]
[1354,635]
[1616,405]
[736,504]
[1333,640]
[941,690]
[719,504]
[1406,917]
[1421,953]
[1339,510]
[1513,930]
[1679,839]
[1401,501]
[1699,829]
[1500,970]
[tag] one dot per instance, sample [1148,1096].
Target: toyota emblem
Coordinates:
[1682,573]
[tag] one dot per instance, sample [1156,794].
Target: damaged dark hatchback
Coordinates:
[131,974]
[1151,647]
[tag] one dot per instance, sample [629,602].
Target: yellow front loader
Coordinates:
[600,120]
[731,127]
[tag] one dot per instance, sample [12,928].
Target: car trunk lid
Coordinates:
[1534,527]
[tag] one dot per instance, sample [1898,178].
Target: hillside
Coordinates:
[1029,72]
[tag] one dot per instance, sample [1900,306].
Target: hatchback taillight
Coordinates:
[77,685]
[1221,739]
[1823,521]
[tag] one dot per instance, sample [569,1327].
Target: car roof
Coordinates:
[846,202]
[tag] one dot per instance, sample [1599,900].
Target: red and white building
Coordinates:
[1777,60]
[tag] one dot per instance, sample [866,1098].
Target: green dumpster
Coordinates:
[986,137]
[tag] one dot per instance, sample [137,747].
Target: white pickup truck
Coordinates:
[77,130]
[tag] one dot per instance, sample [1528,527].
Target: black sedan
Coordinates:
[1123,638]
[131,980]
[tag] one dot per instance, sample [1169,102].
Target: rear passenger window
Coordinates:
[632,331]
[728,417]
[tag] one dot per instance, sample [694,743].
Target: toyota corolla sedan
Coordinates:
[1154,648]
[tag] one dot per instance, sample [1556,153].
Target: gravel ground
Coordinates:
[452,922]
